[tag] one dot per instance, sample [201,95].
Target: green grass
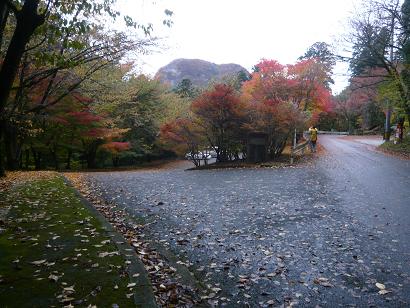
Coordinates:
[47,223]
[399,148]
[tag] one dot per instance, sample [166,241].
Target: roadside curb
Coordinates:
[143,292]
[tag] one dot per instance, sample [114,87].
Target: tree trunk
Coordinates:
[4,14]
[2,171]
[53,152]
[12,148]
[27,22]
[20,160]
[387,124]
[27,152]
[115,160]
[91,153]
[68,162]
[37,158]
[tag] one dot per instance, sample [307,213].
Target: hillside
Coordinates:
[200,72]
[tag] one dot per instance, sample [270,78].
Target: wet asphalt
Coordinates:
[323,234]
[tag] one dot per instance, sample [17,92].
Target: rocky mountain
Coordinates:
[200,72]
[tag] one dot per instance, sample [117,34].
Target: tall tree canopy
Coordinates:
[322,54]
[380,37]
[48,49]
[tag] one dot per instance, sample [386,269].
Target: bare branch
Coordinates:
[37,45]
[71,88]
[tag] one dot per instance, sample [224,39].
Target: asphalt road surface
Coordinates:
[332,233]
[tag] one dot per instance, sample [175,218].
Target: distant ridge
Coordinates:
[200,72]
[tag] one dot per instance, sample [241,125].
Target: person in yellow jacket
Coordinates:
[313,138]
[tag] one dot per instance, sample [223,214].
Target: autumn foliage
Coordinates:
[276,100]
[182,135]
[221,114]
[302,85]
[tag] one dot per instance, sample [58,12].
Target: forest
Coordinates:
[70,97]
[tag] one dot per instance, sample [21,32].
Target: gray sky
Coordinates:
[240,31]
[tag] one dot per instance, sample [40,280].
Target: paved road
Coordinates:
[322,234]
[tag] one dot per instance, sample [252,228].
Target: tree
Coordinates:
[183,136]
[360,104]
[276,120]
[30,15]
[380,39]
[282,97]
[302,84]
[221,114]
[115,148]
[275,100]
[309,85]
[53,47]
[235,80]
[186,89]
[322,54]
[143,105]
[137,103]
[52,57]
[349,105]
[56,20]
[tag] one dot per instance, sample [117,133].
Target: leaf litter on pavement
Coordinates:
[258,243]
[169,289]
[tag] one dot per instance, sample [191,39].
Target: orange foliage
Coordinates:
[181,134]
[116,147]
[302,85]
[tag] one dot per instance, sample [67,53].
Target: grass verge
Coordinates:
[400,149]
[53,252]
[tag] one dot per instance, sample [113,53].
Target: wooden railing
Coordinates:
[298,148]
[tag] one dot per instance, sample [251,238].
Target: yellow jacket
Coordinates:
[313,133]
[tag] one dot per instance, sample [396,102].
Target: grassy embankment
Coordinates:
[53,252]
[400,149]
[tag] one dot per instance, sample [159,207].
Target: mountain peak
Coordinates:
[200,72]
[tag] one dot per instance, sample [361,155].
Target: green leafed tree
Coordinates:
[137,103]
[322,53]
[380,38]
[50,48]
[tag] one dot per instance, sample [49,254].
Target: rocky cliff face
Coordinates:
[200,72]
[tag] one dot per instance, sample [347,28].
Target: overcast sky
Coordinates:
[241,31]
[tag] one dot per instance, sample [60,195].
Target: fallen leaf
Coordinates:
[380,286]
[39,262]
[53,278]
[69,290]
